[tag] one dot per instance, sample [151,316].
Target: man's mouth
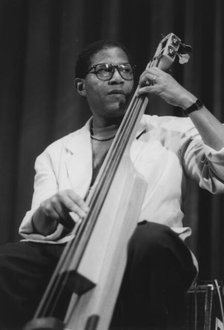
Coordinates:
[116,92]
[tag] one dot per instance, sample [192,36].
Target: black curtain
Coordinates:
[40,40]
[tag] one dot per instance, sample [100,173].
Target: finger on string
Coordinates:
[79,201]
[71,205]
[145,90]
[64,217]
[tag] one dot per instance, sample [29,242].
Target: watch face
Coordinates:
[199,104]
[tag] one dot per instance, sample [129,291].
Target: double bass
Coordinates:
[91,267]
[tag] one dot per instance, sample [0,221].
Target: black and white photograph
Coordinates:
[112,165]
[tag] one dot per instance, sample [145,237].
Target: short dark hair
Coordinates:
[84,59]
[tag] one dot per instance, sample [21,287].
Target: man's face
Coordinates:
[108,99]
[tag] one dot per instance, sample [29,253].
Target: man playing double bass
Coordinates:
[166,150]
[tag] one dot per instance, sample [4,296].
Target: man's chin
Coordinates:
[118,108]
[116,112]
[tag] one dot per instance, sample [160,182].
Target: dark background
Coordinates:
[40,40]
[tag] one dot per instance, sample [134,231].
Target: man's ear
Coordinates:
[80,86]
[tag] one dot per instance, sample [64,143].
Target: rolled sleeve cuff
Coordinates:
[216,158]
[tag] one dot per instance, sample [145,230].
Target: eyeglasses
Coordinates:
[105,71]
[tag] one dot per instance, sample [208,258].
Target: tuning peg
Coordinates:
[184,49]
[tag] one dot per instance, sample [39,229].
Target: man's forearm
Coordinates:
[209,127]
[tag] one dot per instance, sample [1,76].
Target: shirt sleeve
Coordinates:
[45,185]
[203,163]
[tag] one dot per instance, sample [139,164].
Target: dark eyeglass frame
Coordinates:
[120,68]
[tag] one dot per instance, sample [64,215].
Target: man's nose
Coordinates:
[116,78]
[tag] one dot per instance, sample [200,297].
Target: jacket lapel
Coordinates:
[79,160]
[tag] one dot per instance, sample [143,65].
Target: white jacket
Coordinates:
[166,151]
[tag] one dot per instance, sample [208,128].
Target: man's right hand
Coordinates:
[56,210]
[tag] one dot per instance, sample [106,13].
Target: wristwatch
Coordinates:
[194,107]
